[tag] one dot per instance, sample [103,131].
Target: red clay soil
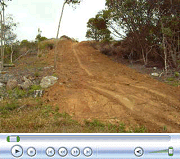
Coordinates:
[91,86]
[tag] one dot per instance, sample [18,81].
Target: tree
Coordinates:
[9,36]
[150,26]
[97,28]
[9,27]
[40,38]
[72,2]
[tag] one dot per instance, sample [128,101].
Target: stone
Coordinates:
[11,84]
[1,85]
[154,68]
[26,84]
[48,67]
[48,81]
[1,98]
[5,77]
[155,74]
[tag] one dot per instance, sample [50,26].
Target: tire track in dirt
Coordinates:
[129,105]
[80,63]
[104,90]
[131,108]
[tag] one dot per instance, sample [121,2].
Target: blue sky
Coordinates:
[44,14]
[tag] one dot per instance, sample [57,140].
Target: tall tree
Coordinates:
[97,28]
[148,24]
[72,2]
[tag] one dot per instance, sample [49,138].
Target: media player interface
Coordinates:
[96,146]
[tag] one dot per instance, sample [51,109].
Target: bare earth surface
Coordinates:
[91,86]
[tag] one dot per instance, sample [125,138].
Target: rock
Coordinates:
[5,77]
[48,67]
[26,84]
[1,99]
[11,84]
[155,74]
[154,68]
[48,81]
[1,85]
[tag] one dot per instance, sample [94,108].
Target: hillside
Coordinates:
[91,86]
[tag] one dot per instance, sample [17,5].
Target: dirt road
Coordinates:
[91,86]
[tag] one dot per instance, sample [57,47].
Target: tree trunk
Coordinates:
[165,53]
[12,54]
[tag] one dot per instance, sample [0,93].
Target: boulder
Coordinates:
[26,84]
[155,74]
[11,84]
[48,81]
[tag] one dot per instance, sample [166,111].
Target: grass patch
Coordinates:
[33,88]
[17,93]
[170,79]
[8,106]
[165,128]
[36,117]
[175,83]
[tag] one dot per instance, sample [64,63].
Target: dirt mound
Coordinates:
[91,86]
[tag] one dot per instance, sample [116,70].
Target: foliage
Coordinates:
[148,25]
[40,38]
[48,44]
[97,28]
[9,28]
[73,2]
[28,44]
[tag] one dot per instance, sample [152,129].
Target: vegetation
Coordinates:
[150,29]
[97,28]
[31,115]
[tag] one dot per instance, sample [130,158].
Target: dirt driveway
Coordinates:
[91,86]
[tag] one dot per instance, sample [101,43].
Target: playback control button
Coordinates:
[138,151]
[31,151]
[87,151]
[75,152]
[63,151]
[50,151]
[17,151]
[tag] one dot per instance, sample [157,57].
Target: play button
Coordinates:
[17,151]
[138,151]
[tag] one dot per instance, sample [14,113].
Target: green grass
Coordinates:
[165,128]
[36,74]
[17,93]
[170,79]
[36,117]
[33,88]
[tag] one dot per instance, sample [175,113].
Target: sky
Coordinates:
[45,14]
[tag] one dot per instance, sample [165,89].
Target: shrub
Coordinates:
[36,74]
[176,74]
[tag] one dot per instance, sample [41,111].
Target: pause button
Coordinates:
[75,152]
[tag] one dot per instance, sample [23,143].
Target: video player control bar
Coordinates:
[89,146]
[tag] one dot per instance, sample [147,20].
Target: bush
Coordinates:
[176,74]
[47,44]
